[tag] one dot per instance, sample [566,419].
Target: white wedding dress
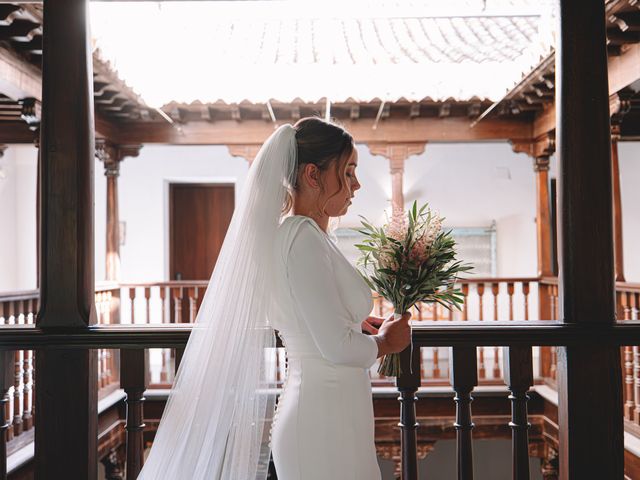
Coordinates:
[324,424]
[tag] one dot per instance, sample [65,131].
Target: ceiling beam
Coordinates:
[229,132]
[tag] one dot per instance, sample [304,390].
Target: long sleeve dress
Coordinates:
[324,424]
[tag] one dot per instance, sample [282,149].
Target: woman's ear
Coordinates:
[311,175]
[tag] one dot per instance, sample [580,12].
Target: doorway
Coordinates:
[199,216]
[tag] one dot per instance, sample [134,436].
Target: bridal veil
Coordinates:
[213,425]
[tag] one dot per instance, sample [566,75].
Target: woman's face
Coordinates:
[339,199]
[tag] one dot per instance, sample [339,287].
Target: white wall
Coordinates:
[18,254]
[471,185]
[447,175]
[629,159]
[466,182]
[8,224]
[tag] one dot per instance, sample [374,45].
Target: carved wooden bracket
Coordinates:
[543,146]
[541,164]
[619,106]
[248,152]
[111,155]
[396,153]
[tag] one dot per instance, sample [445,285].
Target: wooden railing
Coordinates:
[463,350]
[516,339]
[17,393]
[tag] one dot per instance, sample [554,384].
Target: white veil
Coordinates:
[213,425]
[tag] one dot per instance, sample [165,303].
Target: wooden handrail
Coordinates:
[497,279]
[426,333]
[19,295]
[170,283]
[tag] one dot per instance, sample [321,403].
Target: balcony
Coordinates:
[495,349]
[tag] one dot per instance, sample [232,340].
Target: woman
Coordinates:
[222,396]
[324,426]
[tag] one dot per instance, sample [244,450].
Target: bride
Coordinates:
[280,268]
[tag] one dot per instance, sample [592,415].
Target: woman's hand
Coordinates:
[394,335]
[371,324]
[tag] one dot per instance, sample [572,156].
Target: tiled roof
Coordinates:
[253,52]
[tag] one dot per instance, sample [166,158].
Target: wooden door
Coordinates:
[198,221]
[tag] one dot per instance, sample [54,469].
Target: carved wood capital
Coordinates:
[544,145]
[111,155]
[248,152]
[396,153]
[541,164]
[519,146]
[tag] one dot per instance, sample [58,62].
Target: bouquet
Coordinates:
[409,260]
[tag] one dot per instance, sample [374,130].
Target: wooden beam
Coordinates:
[394,130]
[18,79]
[624,69]
[16,132]
[590,419]
[66,396]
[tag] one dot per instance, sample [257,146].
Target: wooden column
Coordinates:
[543,215]
[111,155]
[619,106]
[617,207]
[590,400]
[397,153]
[66,393]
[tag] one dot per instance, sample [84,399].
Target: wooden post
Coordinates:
[543,215]
[518,375]
[408,384]
[134,379]
[617,206]
[111,156]
[587,294]
[66,393]
[397,153]
[464,378]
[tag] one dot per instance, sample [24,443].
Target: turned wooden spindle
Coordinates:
[147,303]
[27,415]
[100,367]
[525,293]
[497,373]
[510,290]
[193,303]
[177,304]
[436,363]
[636,384]
[163,304]
[495,291]
[480,290]
[407,384]
[6,381]
[465,294]
[629,403]
[18,392]
[518,375]
[464,377]
[132,298]
[134,379]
